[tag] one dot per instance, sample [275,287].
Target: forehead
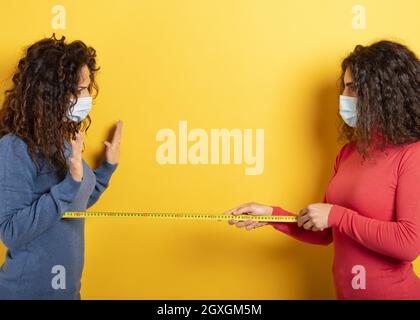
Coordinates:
[84,76]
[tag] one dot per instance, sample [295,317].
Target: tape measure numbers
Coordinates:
[186,216]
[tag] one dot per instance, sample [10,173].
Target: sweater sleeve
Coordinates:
[22,218]
[103,175]
[323,237]
[399,239]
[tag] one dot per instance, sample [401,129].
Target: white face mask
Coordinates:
[348,110]
[81,109]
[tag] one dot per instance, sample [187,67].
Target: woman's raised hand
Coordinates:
[76,164]
[112,153]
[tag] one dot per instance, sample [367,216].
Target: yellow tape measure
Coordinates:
[187,216]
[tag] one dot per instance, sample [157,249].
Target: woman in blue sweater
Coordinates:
[42,173]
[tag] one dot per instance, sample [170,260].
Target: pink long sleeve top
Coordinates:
[374,223]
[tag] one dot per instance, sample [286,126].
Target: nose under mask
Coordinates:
[81,109]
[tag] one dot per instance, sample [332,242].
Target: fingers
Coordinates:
[243,210]
[77,145]
[238,210]
[246,208]
[250,224]
[316,229]
[231,212]
[107,144]
[304,211]
[75,160]
[245,223]
[116,139]
[302,217]
[308,225]
[254,225]
[304,220]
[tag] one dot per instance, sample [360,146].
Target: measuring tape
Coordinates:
[187,216]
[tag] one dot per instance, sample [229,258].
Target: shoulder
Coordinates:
[12,141]
[345,150]
[411,149]
[14,150]
[410,157]
[342,153]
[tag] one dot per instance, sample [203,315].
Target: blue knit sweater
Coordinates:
[45,253]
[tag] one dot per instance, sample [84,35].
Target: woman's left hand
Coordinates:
[112,152]
[315,216]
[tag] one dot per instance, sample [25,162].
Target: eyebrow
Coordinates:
[348,84]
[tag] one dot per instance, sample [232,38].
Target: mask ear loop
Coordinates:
[69,111]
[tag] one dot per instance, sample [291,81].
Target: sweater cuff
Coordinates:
[104,172]
[277,211]
[335,216]
[109,166]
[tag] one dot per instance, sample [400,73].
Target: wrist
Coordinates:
[111,162]
[335,215]
[276,211]
[76,176]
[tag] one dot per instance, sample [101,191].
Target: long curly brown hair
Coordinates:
[386,78]
[35,107]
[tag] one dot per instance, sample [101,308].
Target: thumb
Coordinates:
[107,144]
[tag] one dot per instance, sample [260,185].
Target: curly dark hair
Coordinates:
[35,107]
[386,78]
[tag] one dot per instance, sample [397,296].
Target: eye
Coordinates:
[350,87]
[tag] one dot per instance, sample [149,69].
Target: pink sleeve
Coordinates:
[398,239]
[314,237]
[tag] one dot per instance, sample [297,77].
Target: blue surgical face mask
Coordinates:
[81,109]
[348,110]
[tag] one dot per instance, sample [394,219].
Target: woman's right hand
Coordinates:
[253,209]
[76,164]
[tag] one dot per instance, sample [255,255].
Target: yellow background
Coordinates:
[267,64]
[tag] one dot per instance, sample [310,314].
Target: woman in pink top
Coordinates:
[371,208]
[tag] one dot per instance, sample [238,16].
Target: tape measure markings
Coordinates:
[186,216]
